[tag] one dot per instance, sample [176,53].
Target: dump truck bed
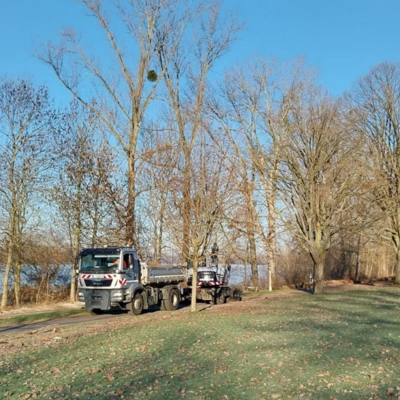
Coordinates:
[162,274]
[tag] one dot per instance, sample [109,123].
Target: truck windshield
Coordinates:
[99,263]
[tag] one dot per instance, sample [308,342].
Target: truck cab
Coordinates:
[105,274]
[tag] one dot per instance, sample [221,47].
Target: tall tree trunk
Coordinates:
[397,267]
[357,269]
[72,293]
[158,232]
[319,265]
[253,259]
[10,257]
[4,299]
[17,283]
[187,205]
[95,228]
[160,237]
[271,238]
[193,307]
[159,243]
[76,242]
[155,242]
[246,279]
[17,267]
[130,226]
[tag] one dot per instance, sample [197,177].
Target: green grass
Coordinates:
[341,345]
[43,316]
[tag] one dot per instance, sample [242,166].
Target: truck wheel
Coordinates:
[172,303]
[135,307]
[96,311]
[220,299]
[236,295]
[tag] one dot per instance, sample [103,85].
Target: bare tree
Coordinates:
[210,198]
[186,77]
[26,122]
[159,173]
[317,181]
[254,109]
[125,84]
[273,88]
[85,168]
[375,114]
[244,219]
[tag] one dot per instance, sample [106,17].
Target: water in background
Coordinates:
[238,272]
[63,277]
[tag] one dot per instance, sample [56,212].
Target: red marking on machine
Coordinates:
[122,282]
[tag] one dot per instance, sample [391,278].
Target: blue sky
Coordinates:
[343,39]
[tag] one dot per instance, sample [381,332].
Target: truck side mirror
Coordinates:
[229,268]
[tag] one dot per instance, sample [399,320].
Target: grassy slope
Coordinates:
[343,345]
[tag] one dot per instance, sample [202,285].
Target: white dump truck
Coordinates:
[114,276]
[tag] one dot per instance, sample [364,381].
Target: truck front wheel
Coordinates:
[135,307]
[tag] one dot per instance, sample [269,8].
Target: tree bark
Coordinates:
[160,232]
[357,268]
[187,204]
[271,240]
[4,299]
[76,244]
[72,294]
[253,259]
[193,305]
[10,258]
[397,267]
[17,284]
[319,265]
[130,226]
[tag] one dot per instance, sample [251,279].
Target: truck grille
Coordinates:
[98,282]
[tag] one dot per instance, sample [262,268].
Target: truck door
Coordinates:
[132,271]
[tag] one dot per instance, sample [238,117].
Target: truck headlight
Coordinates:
[117,296]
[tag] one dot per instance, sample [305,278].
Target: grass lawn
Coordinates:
[341,345]
[43,316]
